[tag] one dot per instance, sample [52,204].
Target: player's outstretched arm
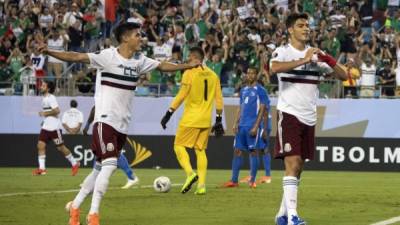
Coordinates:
[65,56]
[171,67]
[281,67]
[179,98]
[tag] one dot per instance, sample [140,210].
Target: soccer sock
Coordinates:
[124,166]
[183,159]
[71,159]
[237,162]
[290,192]
[282,209]
[201,166]
[87,186]
[253,167]
[42,162]
[108,166]
[267,164]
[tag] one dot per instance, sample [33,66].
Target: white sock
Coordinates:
[71,159]
[42,162]
[282,209]
[290,194]
[87,186]
[108,167]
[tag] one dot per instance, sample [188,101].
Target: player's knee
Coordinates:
[41,145]
[253,152]
[237,152]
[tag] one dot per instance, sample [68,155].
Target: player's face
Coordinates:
[43,87]
[193,58]
[134,40]
[301,30]
[251,76]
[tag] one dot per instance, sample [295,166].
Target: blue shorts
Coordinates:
[244,141]
[262,144]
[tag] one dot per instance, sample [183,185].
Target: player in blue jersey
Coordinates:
[263,145]
[122,162]
[253,101]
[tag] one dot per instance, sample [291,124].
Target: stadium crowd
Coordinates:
[235,35]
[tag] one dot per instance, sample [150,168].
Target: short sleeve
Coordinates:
[99,60]
[278,55]
[148,65]
[263,96]
[53,102]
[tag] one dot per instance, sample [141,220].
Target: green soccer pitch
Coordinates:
[325,198]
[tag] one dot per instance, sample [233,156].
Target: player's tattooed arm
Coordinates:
[54,112]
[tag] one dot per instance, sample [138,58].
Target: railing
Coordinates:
[68,86]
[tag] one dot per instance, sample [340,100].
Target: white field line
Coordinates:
[389,221]
[70,190]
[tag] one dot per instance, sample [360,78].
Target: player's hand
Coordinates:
[166,118]
[235,129]
[218,129]
[41,113]
[264,135]
[309,54]
[42,48]
[195,64]
[253,131]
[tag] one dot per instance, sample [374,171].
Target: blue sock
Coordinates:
[236,164]
[267,164]
[124,166]
[253,167]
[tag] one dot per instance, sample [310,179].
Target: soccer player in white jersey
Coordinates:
[298,67]
[51,130]
[118,70]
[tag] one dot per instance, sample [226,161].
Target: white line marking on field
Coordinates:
[70,190]
[389,221]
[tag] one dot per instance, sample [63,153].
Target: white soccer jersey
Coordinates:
[298,88]
[368,75]
[117,79]
[50,123]
[72,118]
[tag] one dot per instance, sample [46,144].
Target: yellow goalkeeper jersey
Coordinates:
[200,88]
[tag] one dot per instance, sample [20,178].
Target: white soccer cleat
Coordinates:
[131,183]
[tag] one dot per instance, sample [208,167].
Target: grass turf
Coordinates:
[325,198]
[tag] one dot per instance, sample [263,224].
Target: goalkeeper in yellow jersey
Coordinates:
[200,88]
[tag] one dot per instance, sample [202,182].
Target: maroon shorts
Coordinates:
[294,137]
[106,141]
[55,136]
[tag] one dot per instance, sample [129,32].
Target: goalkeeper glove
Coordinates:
[218,129]
[328,59]
[166,118]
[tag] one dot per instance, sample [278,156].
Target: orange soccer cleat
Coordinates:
[245,179]
[38,172]
[230,184]
[93,219]
[73,215]
[75,168]
[252,184]
[265,179]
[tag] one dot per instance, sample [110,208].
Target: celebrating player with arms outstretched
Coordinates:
[298,66]
[118,70]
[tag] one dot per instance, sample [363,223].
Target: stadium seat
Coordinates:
[228,91]
[142,91]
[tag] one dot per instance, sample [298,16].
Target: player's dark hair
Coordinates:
[198,51]
[51,86]
[73,103]
[124,29]
[292,18]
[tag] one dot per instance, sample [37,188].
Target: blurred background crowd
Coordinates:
[235,34]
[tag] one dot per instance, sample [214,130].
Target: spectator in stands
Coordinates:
[331,44]
[16,61]
[27,77]
[5,75]
[350,85]
[368,71]
[72,119]
[387,78]
[56,41]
